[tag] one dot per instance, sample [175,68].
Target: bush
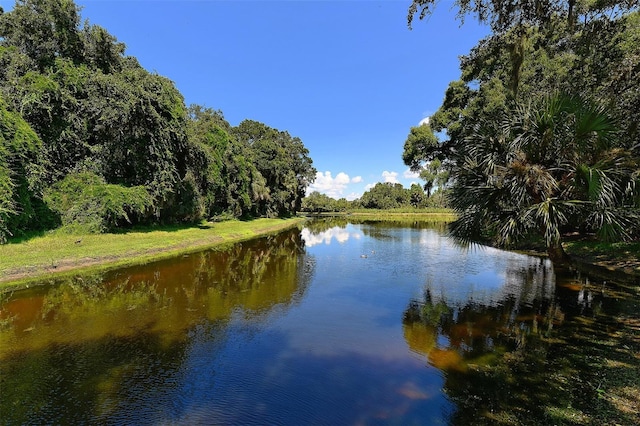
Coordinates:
[86,203]
[19,175]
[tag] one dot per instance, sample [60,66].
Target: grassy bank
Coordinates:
[59,254]
[430,214]
[31,259]
[622,256]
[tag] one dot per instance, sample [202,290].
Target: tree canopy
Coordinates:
[79,115]
[504,14]
[540,133]
[19,173]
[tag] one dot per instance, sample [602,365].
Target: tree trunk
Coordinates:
[570,17]
[557,254]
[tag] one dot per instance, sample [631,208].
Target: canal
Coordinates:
[337,323]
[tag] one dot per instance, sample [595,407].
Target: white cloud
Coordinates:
[390,177]
[334,187]
[341,178]
[408,174]
[310,239]
[369,186]
[353,196]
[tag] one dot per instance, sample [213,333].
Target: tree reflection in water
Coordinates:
[293,330]
[84,350]
[523,358]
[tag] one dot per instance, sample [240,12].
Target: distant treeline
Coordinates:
[383,196]
[90,139]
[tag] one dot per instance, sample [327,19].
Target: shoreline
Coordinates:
[102,252]
[57,256]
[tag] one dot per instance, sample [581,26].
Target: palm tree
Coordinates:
[545,168]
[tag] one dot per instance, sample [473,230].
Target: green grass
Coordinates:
[57,253]
[623,256]
[404,210]
[425,214]
[621,250]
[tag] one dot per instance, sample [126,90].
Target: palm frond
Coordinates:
[549,216]
[614,224]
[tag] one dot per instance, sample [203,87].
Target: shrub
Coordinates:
[86,203]
[19,174]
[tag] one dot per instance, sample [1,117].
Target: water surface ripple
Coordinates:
[335,324]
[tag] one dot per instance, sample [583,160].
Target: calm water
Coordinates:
[347,324]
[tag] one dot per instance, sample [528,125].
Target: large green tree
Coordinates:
[424,154]
[20,175]
[509,78]
[319,203]
[533,51]
[136,125]
[284,163]
[544,168]
[227,180]
[93,108]
[386,195]
[44,30]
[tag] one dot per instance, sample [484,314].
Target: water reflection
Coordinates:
[300,328]
[501,348]
[84,348]
[481,310]
[341,235]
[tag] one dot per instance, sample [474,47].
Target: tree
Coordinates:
[434,174]
[421,145]
[102,50]
[385,195]
[43,30]
[318,203]
[284,163]
[608,66]
[93,109]
[226,180]
[424,153]
[545,168]
[504,14]
[137,124]
[417,197]
[542,47]
[20,175]
[529,56]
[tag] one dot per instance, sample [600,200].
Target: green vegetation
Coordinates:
[400,214]
[59,253]
[618,256]
[92,141]
[85,201]
[407,215]
[513,363]
[542,136]
[383,196]
[19,170]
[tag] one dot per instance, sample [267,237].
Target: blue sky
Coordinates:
[347,77]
